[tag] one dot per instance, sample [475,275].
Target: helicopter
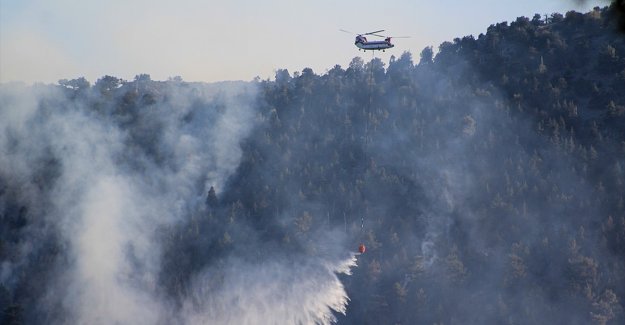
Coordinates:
[362,43]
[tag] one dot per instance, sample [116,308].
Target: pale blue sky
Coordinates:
[200,40]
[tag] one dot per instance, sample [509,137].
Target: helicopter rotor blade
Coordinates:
[346,31]
[377,31]
[377,35]
[399,36]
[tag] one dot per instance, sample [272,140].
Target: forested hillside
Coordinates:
[487,180]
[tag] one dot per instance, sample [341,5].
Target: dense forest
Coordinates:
[487,181]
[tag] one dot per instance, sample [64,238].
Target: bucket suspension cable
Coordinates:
[365,148]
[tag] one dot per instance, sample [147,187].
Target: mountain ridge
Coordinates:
[486,181]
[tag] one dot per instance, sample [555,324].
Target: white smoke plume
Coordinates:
[117,184]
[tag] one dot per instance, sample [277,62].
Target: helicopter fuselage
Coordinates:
[362,43]
[374,45]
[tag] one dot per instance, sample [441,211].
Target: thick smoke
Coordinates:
[102,173]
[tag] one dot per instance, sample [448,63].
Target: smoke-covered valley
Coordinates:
[486,181]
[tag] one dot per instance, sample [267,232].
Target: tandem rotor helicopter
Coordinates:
[362,43]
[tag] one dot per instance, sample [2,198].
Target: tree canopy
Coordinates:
[487,180]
